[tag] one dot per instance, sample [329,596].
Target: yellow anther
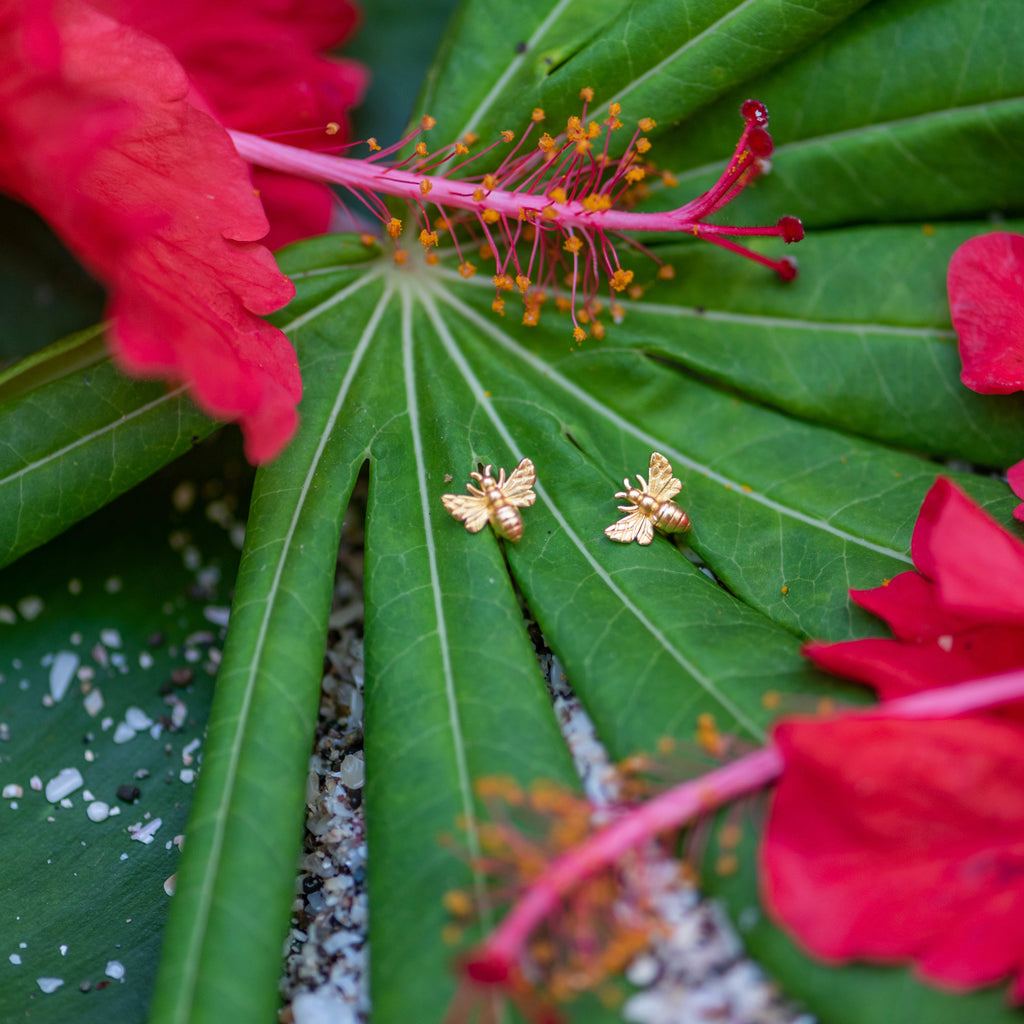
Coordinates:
[531,316]
[467,269]
[427,122]
[643,144]
[332,128]
[614,109]
[460,149]
[584,146]
[401,255]
[373,144]
[586,94]
[635,291]
[421,149]
[457,903]
[470,138]
[647,124]
[598,330]
[367,239]
[498,305]
[593,130]
[486,252]
[523,282]
[504,282]
[537,115]
[425,186]
[614,124]
[557,195]
[478,195]
[617,310]
[621,279]
[428,238]
[490,182]
[431,259]
[546,143]
[562,304]
[490,216]
[507,135]
[596,202]
[573,244]
[578,334]
[635,174]
[394,227]
[666,271]
[668,180]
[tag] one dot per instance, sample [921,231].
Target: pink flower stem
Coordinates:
[361,176]
[496,959]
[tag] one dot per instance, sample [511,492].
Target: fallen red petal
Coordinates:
[902,840]
[986,300]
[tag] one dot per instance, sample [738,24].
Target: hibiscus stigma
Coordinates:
[552,211]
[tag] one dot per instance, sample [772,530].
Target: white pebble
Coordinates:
[93,702]
[66,781]
[145,833]
[49,985]
[110,637]
[12,791]
[35,783]
[123,733]
[98,811]
[352,771]
[115,970]
[187,775]
[217,614]
[62,671]
[15,959]
[30,607]
[145,660]
[137,719]
[7,614]
[63,949]
[170,884]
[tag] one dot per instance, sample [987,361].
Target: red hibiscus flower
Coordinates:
[258,68]
[894,840]
[986,300]
[959,617]
[98,134]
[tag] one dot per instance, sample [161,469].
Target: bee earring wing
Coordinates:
[662,485]
[470,510]
[636,526]
[518,487]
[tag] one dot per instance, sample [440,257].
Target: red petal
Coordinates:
[977,566]
[1015,478]
[151,195]
[986,300]
[902,840]
[259,68]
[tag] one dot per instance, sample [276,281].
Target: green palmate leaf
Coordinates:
[913,109]
[75,433]
[806,422]
[91,630]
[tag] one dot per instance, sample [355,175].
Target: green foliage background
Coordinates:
[806,421]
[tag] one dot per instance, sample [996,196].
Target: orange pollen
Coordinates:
[470,138]
[425,186]
[394,227]
[587,94]
[557,195]
[421,149]
[498,305]
[537,115]
[523,282]
[332,128]
[666,272]
[635,174]
[478,195]
[596,202]
[367,239]
[647,124]
[427,122]
[668,180]
[428,238]
[503,282]
[490,216]
[467,269]
[373,144]
[643,145]
[573,244]
[461,149]
[401,255]
[490,182]
[507,135]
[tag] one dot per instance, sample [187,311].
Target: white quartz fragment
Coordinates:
[66,781]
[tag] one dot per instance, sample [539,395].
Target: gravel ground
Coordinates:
[695,974]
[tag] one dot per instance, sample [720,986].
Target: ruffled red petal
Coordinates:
[150,194]
[986,300]
[902,840]
[260,68]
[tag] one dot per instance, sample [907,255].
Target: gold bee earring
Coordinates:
[495,500]
[651,506]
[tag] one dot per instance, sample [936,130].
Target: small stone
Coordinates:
[98,811]
[123,733]
[49,985]
[66,781]
[12,791]
[115,970]
[128,794]
[62,671]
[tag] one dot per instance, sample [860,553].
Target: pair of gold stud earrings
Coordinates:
[497,501]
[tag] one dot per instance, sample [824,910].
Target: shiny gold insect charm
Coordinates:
[495,501]
[651,506]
